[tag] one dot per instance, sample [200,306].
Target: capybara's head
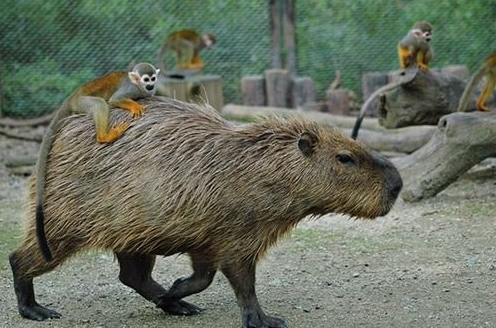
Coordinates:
[341,174]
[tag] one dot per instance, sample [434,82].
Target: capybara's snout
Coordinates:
[392,181]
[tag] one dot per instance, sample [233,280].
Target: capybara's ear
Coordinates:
[307,143]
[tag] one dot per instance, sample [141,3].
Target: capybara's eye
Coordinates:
[345,159]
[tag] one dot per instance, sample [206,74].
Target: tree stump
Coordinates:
[461,141]
[302,91]
[194,88]
[424,100]
[253,90]
[372,81]
[277,86]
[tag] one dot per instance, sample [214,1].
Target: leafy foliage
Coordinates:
[50,47]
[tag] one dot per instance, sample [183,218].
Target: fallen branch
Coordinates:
[461,141]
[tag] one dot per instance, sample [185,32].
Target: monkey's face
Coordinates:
[145,77]
[422,29]
[148,82]
[426,35]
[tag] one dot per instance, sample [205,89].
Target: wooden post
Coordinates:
[199,89]
[302,92]
[276,84]
[253,90]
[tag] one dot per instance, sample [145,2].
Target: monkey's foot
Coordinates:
[113,133]
[178,307]
[482,107]
[37,312]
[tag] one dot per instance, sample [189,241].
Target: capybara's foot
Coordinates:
[37,312]
[178,307]
[258,320]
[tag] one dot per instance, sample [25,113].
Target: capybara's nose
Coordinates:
[395,188]
[392,178]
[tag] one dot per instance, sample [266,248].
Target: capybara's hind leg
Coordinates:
[203,274]
[23,286]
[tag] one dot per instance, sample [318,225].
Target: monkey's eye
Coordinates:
[345,159]
[145,78]
[153,78]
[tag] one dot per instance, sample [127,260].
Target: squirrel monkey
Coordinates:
[120,89]
[187,44]
[487,69]
[414,48]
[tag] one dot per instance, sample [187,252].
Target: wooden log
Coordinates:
[302,92]
[460,141]
[253,90]
[193,88]
[339,101]
[429,96]
[405,140]
[460,71]
[276,86]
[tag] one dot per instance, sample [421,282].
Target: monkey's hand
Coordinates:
[423,66]
[128,104]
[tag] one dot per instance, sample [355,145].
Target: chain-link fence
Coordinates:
[50,47]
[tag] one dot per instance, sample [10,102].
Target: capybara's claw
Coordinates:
[37,312]
[178,307]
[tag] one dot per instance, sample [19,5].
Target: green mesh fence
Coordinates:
[50,47]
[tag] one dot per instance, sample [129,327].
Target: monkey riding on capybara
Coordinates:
[184,180]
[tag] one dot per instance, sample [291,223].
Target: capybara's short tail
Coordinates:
[40,233]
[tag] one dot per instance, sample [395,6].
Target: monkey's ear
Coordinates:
[157,71]
[134,77]
[307,143]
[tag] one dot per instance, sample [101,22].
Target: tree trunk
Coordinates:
[424,100]
[461,141]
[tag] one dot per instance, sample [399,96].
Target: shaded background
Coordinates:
[49,48]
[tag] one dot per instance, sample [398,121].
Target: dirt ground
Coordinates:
[426,264]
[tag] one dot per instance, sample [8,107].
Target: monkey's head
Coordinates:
[145,77]
[422,29]
[208,40]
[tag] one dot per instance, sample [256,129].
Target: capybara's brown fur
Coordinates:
[184,180]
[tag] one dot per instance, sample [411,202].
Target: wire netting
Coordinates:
[50,47]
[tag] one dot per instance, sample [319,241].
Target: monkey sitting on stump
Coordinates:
[120,89]
[186,44]
[414,48]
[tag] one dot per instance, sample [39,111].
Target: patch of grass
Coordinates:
[316,239]
[9,239]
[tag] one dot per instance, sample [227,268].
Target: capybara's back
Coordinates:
[184,180]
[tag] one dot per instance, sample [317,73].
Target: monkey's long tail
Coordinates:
[40,233]
[356,127]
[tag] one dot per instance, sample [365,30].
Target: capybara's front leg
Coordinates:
[26,303]
[136,272]
[203,274]
[241,275]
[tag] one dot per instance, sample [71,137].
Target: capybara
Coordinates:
[184,180]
